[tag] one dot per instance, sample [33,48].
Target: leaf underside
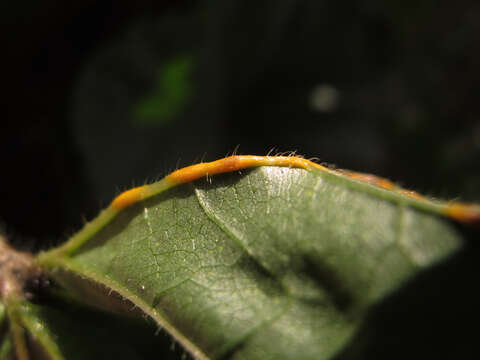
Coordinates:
[270,263]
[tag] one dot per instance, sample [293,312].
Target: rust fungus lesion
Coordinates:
[237,162]
[128,198]
[380,182]
[467,213]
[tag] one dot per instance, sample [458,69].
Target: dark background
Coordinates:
[104,95]
[100,96]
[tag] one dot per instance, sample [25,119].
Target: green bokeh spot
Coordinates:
[172,91]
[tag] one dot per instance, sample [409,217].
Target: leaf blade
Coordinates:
[267,241]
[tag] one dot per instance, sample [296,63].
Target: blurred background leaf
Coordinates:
[72,332]
[169,96]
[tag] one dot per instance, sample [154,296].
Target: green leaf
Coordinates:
[3,313]
[270,263]
[66,331]
[6,347]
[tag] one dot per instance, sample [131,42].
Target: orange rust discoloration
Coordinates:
[197,171]
[128,198]
[368,178]
[467,213]
[236,162]
[381,182]
[463,212]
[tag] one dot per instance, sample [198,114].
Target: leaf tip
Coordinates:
[463,212]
